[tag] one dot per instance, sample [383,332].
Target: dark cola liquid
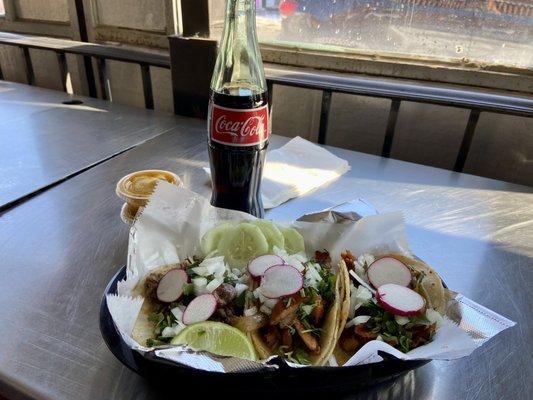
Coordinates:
[236,171]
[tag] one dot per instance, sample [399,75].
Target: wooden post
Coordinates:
[192,62]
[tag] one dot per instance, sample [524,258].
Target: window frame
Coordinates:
[12,23]
[99,33]
[387,65]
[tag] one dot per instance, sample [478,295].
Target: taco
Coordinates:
[301,327]
[371,311]
[178,295]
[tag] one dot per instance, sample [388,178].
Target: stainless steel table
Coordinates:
[60,249]
[43,140]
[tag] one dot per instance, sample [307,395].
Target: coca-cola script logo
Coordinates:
[239,127]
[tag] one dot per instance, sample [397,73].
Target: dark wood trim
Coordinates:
[391,127]
[324,116]
[195,18]
[191,85]
[468,137]
[63,69]
[30,76]
[147,87]
[82,25]
[102,78]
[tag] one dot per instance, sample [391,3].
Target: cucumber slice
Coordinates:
[294,241]
[242,243]
[272,233]
[211,238]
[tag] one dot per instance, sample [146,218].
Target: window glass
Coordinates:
[473,31]
[2,9]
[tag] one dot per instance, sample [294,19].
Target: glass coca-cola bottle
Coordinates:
[238,117]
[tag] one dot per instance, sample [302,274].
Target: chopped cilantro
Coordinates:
[383,323]
[155,342]
[188,289]
[300,356]
[240,300]
[326,287]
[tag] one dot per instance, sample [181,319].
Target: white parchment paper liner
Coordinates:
[296,168]
[170,229]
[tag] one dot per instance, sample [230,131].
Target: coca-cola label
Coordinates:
[239,127]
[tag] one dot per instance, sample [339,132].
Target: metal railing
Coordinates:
[397,90]
[89,51]
[475,100]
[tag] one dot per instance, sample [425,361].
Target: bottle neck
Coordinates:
[240,19]
[239,63]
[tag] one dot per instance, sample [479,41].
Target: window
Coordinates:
[2,8]
[474,32]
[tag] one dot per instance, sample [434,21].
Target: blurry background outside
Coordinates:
[478,31]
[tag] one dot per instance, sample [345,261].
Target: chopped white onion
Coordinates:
[401,320]
[264,309]
[307,309]
[361,319]
[171,331]
[361,281]
[312,276]
[178,313]
[250,311]
[214,284]
[365,258]
[240,288]
[199,285]
[434,317]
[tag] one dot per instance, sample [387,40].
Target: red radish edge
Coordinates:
[258,266]
[400,300]
[388,270]
[200,309]
[170,287]
[281,280]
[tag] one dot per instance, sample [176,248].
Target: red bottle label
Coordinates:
[235,127]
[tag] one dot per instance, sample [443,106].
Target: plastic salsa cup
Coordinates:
[136,188]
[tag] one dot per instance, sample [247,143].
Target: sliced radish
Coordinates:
[259,265]
[170,287]
[200,309]
[400,300]
[281,280]
[388,270]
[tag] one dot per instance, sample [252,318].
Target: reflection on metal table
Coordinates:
[47,136]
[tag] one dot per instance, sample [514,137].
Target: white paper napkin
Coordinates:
[297,168]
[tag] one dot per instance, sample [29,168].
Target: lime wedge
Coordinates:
[211,238]
[272,233]
[294,241]
[216,338]
[242,243]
